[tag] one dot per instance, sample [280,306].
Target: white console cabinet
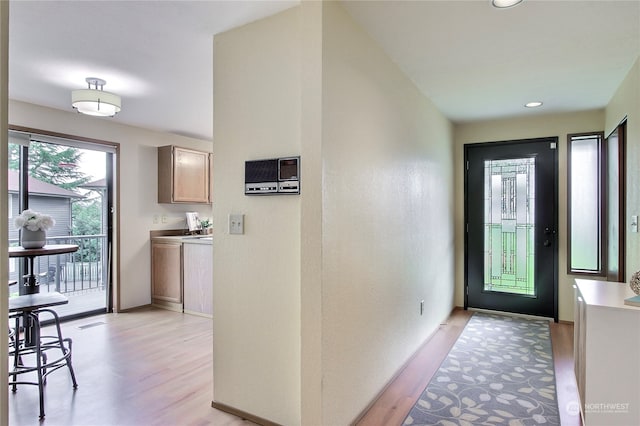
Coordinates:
[607,353]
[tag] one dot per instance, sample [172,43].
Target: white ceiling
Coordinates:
[472,60]
[157,55]
[478,62]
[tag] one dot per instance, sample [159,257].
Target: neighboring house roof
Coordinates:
[38,187]
[96,184]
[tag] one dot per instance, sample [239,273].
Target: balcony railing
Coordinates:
[72,272]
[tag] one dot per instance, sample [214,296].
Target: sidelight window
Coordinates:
[586,198]
[596,195]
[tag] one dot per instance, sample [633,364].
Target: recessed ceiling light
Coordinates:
[534,104]
[502,4]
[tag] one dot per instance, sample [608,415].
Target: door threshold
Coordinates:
[510,314]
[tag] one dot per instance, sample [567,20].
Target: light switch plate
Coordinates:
[634,223]
[236,224]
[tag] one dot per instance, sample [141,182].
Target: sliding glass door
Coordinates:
[72,182]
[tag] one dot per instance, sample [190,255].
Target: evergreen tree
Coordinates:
[55,164]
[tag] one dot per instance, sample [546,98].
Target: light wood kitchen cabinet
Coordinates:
[606,353]
[198,279]
[166,274]
[184,175]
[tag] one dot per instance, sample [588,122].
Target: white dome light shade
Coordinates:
[505,3]
[96,101]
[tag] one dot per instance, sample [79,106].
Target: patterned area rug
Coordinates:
[499,372]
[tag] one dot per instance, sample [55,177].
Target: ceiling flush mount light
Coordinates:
[502,4]
[534,104]
[95,101]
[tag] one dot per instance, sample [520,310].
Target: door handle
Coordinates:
[547,231]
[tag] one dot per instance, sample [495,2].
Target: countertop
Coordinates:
[187,239]
[605,294]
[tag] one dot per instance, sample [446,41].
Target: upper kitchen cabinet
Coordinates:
[184,175]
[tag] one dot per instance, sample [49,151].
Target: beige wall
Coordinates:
[387,230]
[138,185]
[311,213]
[256,295]
[4,96]
[626,103]
[522,128]
[318,304]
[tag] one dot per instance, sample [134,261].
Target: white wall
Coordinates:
[317,305]
[626,103]
[523,128]
[256,293]
[387,231]
[138,185]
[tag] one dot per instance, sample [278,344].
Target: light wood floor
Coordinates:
[154,367]
[398,398]
[147,367]
[79,301]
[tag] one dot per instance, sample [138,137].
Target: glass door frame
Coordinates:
[111,150]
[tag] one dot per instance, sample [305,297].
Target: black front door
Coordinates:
[511,218]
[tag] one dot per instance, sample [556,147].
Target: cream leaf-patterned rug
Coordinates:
[499,372]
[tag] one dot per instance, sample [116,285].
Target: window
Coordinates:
[585,204]
[615,204]
[596,204]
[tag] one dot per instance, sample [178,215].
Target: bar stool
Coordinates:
[12,332]
[35,352]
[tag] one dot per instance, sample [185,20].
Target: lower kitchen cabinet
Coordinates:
[198,278]
[166,274]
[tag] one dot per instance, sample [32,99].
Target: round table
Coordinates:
[31,286]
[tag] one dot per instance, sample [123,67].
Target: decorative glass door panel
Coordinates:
[509,188]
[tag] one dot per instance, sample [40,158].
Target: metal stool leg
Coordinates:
[35,327]
[73,375]
[67,352]
[16,355]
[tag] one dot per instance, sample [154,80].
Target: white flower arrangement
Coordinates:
[33,221]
